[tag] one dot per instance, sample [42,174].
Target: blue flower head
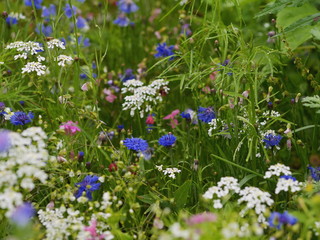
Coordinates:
[186,115]
[122,21]
[37,3]
[2,106]
[22,215]
[11,20]
[271,140]
[4,141]
[50,11]
[45,30]
[287,177]
[88,185]
[167,140]
[164,51]
[21,118]
[190,115]
[127,6]
[128,75]
[315,173]
[136,144]
[81,22]
[206,114]
[84,41]
[277,220]
[69,11]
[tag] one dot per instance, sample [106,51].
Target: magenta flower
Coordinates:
[171,116]
[201,217]
[70,128]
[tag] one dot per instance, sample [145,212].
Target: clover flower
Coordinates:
[87,185]
[206,114]
[287,182]
[21,118]
[271,139]
[70,128]
[167,140]
[136,144]
[277,170]
[127,6]
[277,220]
[164,51]
[315,173]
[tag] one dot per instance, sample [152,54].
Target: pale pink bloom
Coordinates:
[70,128]
[206,90]
[110,96]
[92,229]
[245,94]
[171,116]
[213,75]
[85,87]
[201,217]
[289,145]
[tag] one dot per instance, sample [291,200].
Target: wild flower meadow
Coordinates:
[159,119]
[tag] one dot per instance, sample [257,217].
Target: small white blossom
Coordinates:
[277,170]
[64,60]
[169,171]
[56,43]
[286,183]
[28,47]
[34,67]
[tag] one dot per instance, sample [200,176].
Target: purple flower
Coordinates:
[47,12]
[277,220]
[206,114]
[22,215]
[315,173]
[128,75]
[69,11]
[2,106]
[84,41]
[21,118]
[11,20]
[272,140]
[36,3]
[88,185]
[136,144]
[164,51]
[167,140]
[4,141]
[127,6]
[81,22]
[189,115]
[45,30]
[122,21]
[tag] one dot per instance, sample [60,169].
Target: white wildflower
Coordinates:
[287,182]
[56,43]
[64,60]
[34,67]
[28,47]
[277,170]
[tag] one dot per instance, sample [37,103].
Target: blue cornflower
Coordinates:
[37,3]
[128,75]
[88,185]
[81,22]
[271,140]
[190,115]
[315,173]
[206,114]
[122,21]
[287,177]
[167,140]
[69,11]
[22,215]
[4,141]
[84,41]
[11,20]
[47,12]
[21,118]
[127,6]
[136,144]
[277,220]
[45,30]
[120,127]
[164,51]
[186,115]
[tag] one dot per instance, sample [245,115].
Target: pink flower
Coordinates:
[171,116]
[201,217]
[85,87]
[92,229]
[70,128]
[150,119]
[110,96]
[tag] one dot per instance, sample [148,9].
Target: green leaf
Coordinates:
[147,198]
[181,195]
[274,8]
[307,21]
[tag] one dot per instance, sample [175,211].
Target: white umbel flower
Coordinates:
[34,67]
[277,170]
[64,60]
[56,43]
[287,183]
[28,47]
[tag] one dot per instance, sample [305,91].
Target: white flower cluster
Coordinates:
[26,47]
[34,67]
[284,184]
[215,124]
[178,232]
[257,200]
[225,186]
[18,16]
[21,165]
[143,96]
[169,171]
[234,230]
[56,43]
[64,223]
[277,170]
[64,60]
[271,114]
